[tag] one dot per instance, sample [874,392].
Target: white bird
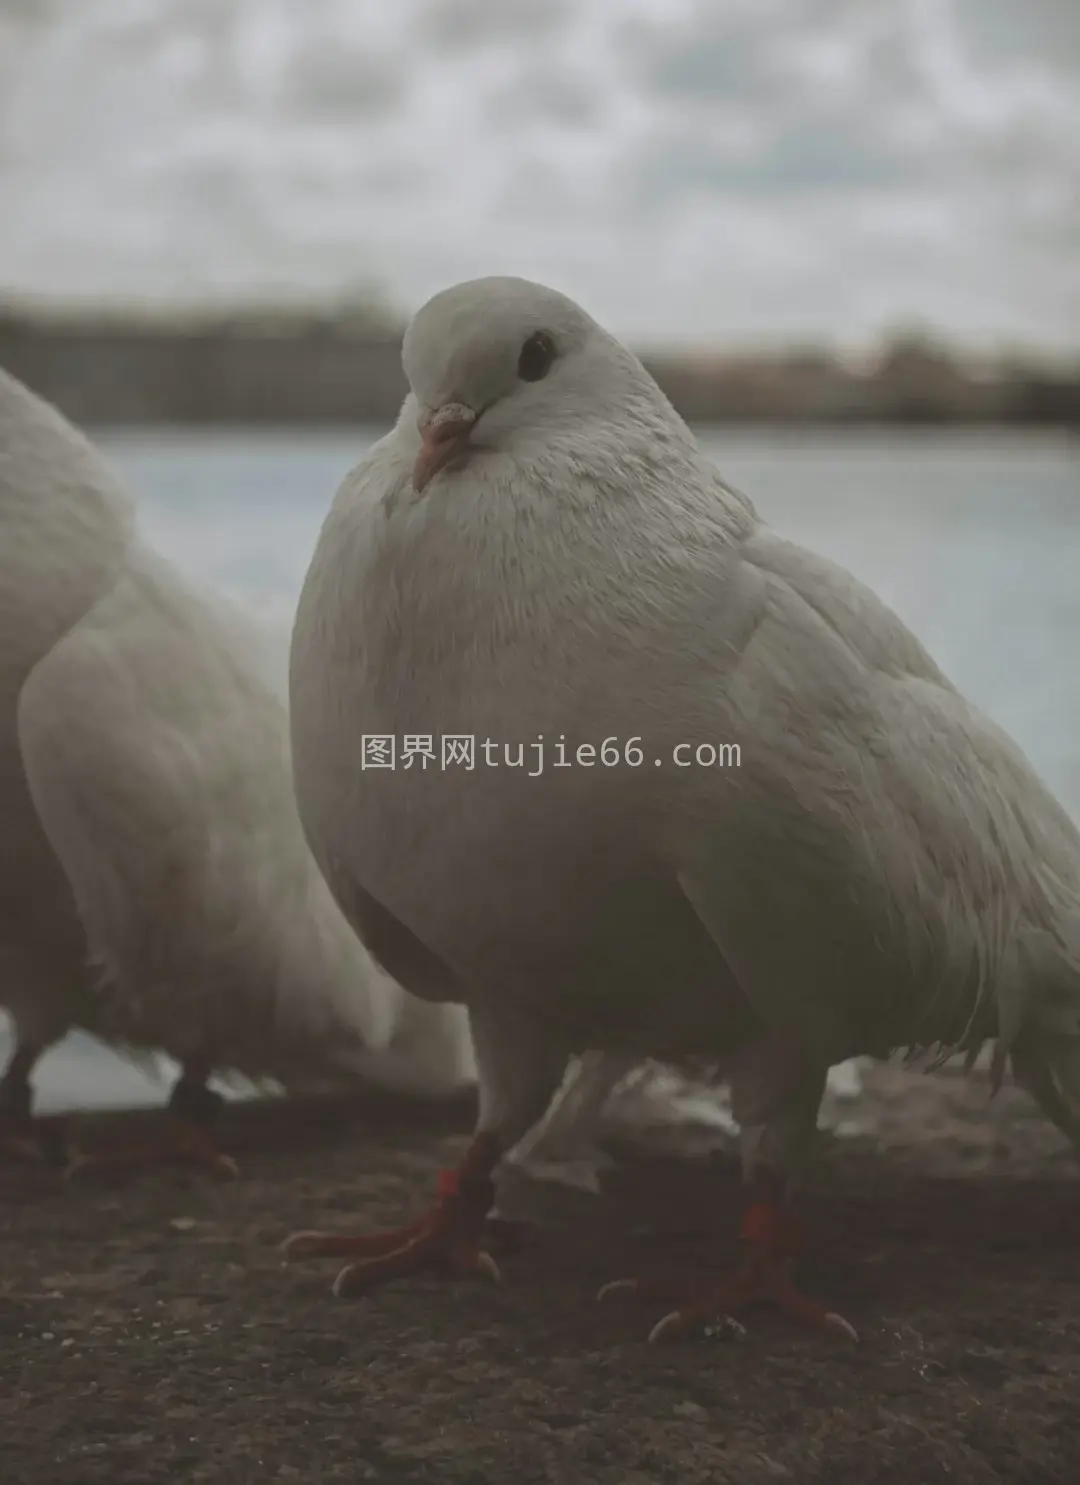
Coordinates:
[539,549]
[159,756]
[155,885]
[65,525]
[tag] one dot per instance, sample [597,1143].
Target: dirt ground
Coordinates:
[149,1332]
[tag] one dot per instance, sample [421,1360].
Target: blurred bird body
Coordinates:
[884,870]
[155,885]
[65,526]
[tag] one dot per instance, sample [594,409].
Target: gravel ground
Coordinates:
[149,1333]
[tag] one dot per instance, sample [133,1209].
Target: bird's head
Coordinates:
[499,364]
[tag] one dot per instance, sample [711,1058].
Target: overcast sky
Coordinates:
[694,170]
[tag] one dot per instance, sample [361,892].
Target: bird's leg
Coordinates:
[193,1109]
[782,1098]
[518,1073]
[565,1141]
[22,1136]
[448,1238]
[770,1239]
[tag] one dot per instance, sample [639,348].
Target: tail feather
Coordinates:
[1046,1050]
[1050,1070]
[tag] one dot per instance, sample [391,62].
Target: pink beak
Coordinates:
[444,441]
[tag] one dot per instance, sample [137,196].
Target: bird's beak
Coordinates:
[444,441]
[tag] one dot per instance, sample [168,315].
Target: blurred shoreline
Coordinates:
[299,367]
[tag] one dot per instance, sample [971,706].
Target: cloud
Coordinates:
[347,82]
[471,24]
[1045,32]
[541,96]
[764,168]
[712,55]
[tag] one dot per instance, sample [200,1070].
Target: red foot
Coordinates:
[453,1237]
[186,1143]
[763,1276]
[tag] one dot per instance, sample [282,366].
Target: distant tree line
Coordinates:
[293,367]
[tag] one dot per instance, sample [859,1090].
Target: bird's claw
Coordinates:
[616,1286]
[671,1325]
[761,1278]
[839,1326]
[431,1243]
[189,1146]
[725,1326]
[306,1244]
[464,1261]
[444,1240]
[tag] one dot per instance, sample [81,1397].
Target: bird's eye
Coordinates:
[536,357]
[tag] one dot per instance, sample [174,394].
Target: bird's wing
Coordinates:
[157,760]
[65,524]
[95,776]
[886,851]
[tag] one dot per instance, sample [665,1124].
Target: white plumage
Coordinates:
[155,885]
[540,548]
[64,529]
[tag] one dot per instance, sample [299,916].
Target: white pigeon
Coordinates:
[540,549]
[151,689]
[65,526]
[155,885]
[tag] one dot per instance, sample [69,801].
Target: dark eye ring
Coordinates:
[536,357]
